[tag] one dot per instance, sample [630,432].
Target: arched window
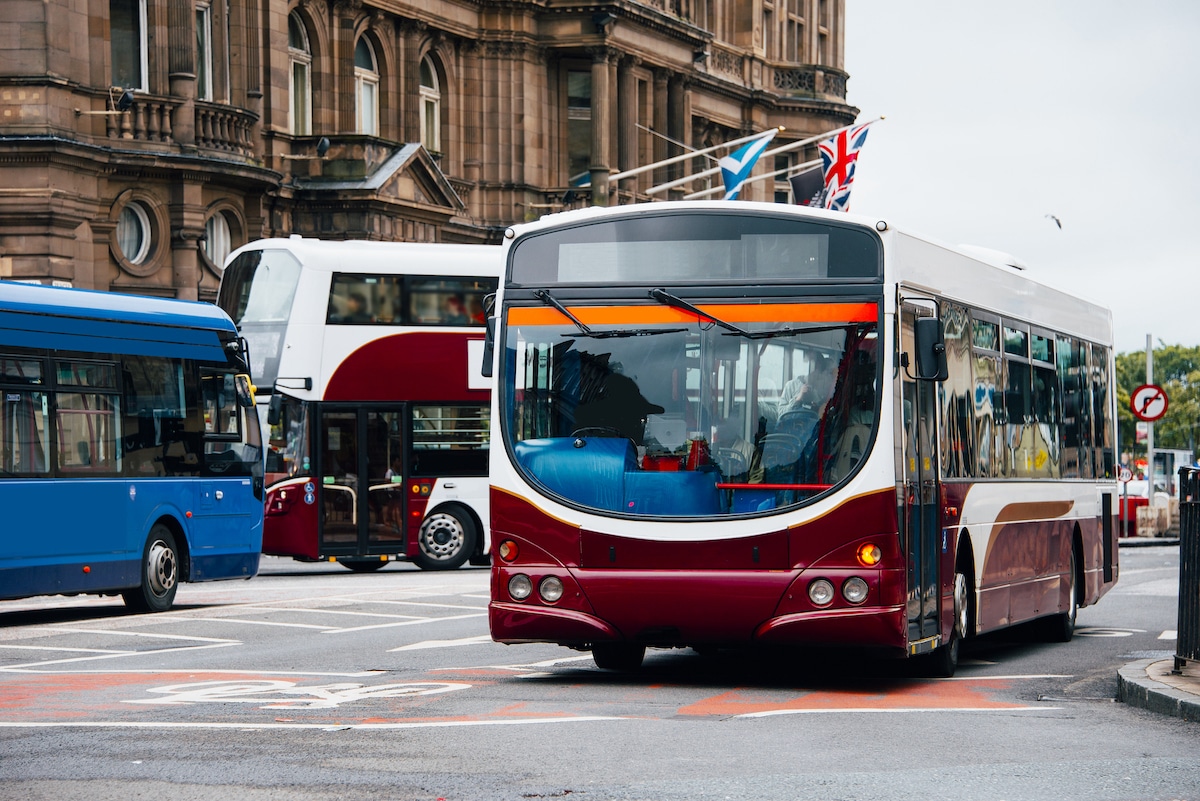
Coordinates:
[300,85]
[134,234]
[218,240]
[431,107]
[366,88]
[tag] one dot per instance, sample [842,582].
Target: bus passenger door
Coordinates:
[361,482]
[921,521]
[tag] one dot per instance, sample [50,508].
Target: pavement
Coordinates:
[1152,683]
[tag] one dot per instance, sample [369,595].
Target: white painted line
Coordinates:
[64,650]
[422,603]
[123,633]
[154,652]
[265,623]
[1009,677]
[420,646]
[214,671]
[480,597]
[1169,635]
[431,724]
[882,710]
[310,610]
[406,623]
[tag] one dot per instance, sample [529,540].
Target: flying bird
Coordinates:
[1057,221]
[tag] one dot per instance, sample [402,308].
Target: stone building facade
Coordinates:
[142,140]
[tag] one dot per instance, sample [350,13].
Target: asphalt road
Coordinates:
[311,682]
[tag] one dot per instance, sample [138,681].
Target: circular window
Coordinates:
[134,233]
[218,241]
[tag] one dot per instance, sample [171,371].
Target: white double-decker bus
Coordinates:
[724,424]
[366,357]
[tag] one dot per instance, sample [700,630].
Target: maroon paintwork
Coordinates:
[736,591]
[420,366]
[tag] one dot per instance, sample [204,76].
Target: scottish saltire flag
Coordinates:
[839,154]
[737,166]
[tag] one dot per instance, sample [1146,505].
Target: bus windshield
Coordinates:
[660,415]
[257,290]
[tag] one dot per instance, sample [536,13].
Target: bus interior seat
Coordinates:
[686,492]
[592,474]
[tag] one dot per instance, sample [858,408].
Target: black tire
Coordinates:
[1061,627]
[364,565]
[618,656]
[943,662]
[160,573]
[446,540]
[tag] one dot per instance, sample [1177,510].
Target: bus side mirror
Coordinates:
[931,350]
[489,348]
[275,410]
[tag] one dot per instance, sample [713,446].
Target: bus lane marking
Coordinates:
[263,692]
[963,694]
[202,643]
[287,725]
[405,623]
[426,644]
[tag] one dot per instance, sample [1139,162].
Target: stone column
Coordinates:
[661,151]
[627,115]
[181,67]
[601,105]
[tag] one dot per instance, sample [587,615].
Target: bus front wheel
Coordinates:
[618,656]
[160,573]
[446,540]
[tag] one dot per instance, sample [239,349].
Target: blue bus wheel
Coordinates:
[160,573]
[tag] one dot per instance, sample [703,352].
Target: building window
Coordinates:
[204,52]
[127,33]
[579,127]
[134,233]
[218,240]
[366,88]
[300,86]
[431,107]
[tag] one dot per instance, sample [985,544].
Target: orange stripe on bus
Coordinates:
[731,313]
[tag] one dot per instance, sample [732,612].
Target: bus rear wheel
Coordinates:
[618,656]
[446,540]
[160,573]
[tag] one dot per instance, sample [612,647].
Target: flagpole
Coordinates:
[654,190]
[616,176]
[715,190]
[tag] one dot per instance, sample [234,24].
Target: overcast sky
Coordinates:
[998,114]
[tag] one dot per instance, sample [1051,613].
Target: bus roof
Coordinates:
[356,256]
[996,281]
[37,316]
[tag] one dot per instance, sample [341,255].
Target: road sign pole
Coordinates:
[1150,425]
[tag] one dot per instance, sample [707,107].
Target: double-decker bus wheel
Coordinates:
[160,573]
[447,539]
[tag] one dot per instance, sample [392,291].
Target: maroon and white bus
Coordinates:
[737,424]
[367,357]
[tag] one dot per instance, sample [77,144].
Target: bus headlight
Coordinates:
[820,592]
[551,589]
[520,587]
[854,590]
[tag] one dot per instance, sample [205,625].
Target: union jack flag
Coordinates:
[839,153]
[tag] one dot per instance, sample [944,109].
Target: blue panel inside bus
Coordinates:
[592,474]
[603,473]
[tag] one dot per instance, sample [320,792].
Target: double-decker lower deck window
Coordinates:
[450,440]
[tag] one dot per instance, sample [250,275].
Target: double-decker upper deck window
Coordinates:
[676,248]
[357,299]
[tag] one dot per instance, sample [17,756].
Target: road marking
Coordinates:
[424,724]
[324,696]
[65,650]
[420,646]
[1100,631]
[406,623]
[877,710]
[1169,635]
[113,655]
[265,623]
[317,611]
[422,603]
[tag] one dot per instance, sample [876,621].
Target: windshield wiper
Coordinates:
[584,330]
[666,298]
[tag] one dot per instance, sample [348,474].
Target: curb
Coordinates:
[1146,542]
[1136,688]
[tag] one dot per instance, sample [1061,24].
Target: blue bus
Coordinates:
[130,453]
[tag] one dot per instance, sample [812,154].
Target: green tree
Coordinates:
[1177,371]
